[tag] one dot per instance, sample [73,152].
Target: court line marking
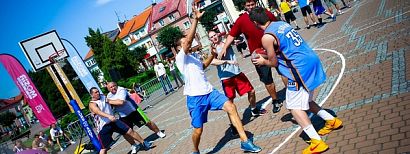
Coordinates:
[324,100]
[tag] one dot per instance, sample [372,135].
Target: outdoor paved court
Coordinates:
[372,97]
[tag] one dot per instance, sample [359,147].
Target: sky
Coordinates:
[71,19]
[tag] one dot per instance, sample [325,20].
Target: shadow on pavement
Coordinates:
[317,122]
[246,118]
[225,139]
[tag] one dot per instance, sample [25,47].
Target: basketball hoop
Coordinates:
[56,57]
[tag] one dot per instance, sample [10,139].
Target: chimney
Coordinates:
[121,25]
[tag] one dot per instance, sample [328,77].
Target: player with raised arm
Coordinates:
[201,96]
[244,25]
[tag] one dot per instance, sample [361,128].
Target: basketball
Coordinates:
[259,52]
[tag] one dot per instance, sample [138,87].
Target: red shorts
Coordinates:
[239,83]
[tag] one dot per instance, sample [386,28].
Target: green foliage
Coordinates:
[113,55]
[7,118]
[168,36]
[239,4]
[207,20]
[53,97]
[140,78]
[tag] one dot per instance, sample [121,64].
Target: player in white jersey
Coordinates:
[107,124]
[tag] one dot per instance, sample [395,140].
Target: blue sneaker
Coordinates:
[248,146]
[334,18]
[146,145]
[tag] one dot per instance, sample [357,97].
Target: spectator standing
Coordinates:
[174,73]
[161,73]
[284,8]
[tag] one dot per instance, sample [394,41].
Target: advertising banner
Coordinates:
[26,86]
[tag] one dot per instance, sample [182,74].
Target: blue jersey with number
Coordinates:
[296,60]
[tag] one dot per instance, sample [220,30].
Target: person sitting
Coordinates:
[38,144]
[18,146]
[56,133]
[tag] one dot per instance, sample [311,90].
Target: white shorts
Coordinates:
[298,99]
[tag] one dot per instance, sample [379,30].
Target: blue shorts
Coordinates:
[105,135]
[319,10]
[198,106]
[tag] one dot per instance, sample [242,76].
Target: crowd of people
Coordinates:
[286,10]
[45,142]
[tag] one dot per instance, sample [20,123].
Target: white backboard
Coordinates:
[38,49]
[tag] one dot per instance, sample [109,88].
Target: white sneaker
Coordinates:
[161,134]
[61,149]
[134,148]
[72,142]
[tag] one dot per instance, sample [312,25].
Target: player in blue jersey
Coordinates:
[294,59]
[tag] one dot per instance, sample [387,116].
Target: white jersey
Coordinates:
[191,67]
[103,105]
[127,107]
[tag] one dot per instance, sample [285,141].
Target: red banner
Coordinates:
[26,86]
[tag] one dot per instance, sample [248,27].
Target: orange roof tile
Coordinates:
[89,54]
[135,23]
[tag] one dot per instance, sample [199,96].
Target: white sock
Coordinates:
[161,134]
[325,115]
[311,132]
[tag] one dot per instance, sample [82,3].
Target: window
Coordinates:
[187,24]
[149,44]
[171,17]
[127,41]
[161,22]
[162,9]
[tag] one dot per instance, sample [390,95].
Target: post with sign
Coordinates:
[47,51]
[85,125]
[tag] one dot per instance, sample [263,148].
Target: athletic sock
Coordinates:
[161,134]
[311,132]
[325,115]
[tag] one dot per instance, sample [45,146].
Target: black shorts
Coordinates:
[306,9]
[265,74]
[136,118]
[241,47]
[289,16]
[105,135]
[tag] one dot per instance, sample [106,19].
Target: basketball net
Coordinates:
[57,57]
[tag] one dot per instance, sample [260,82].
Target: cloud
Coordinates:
[103,2]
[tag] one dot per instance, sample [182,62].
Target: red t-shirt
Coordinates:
[252,33]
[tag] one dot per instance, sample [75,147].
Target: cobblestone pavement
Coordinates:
[372,97]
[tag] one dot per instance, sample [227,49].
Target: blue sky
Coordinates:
[24,19]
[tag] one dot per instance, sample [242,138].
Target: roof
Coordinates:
[112,35]
[89,54]
[166,7]
[7,103]
[135,23]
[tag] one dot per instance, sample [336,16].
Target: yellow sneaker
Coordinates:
[330,125]
[316,146]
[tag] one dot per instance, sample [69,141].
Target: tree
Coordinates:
[111,55]
[168,36]
[49,92]
[207,19]
[7,118]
